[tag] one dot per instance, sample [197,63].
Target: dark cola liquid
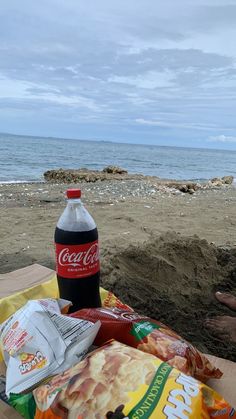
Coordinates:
[82,292]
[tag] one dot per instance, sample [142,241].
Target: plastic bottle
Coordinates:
[77,254]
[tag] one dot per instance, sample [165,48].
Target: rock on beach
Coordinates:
[119,174]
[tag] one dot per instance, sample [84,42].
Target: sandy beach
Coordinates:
[162,251]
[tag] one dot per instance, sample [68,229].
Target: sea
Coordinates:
[25,158]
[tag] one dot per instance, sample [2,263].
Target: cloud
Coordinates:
[174,124]
[212,16]
[119,67]
[148,80]
[15,89]
[222,139]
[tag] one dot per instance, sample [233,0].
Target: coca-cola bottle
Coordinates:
[77,254]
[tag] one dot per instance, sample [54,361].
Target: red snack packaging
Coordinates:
[150,336]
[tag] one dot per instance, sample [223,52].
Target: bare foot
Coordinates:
[223,326]
[227,299]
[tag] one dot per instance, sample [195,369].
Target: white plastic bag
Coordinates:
[38,341]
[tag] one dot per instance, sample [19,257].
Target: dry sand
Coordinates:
[150,258]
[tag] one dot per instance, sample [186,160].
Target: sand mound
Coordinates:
[173,278]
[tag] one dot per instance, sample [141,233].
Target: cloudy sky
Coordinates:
[138,71]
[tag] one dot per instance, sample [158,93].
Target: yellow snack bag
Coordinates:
[117,381]
[48,289]
[10,303]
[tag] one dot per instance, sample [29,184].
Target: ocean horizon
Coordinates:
[26,158]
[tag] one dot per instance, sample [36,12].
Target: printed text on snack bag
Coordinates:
[181,399]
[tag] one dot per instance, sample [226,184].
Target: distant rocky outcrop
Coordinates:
[114,169]
[191,187]
[225,180]
[117,173]
[86,175]
[188,187]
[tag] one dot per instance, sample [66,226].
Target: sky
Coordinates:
[136,71]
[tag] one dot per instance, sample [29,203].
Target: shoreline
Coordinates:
[114,173]
[201,180]
[17,182]
[115,178]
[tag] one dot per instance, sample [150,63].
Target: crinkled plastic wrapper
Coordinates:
[38,341]
[117,381]
[150,336]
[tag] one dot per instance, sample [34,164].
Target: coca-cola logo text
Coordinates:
[82,258]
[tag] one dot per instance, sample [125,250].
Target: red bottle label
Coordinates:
[77,261]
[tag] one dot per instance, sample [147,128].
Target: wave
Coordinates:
[6,182]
